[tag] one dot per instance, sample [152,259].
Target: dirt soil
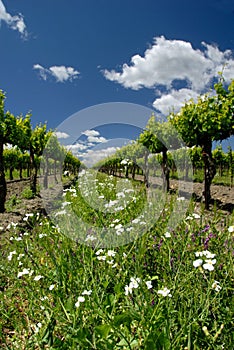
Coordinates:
[223,196]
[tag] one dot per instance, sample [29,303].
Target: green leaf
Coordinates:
[103,330]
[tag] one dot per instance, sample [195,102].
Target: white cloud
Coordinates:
[61,135]
[15,22]
[93,136]
[76,147]
[170,61]
[175,99]
[60,73]
[94,139]
[91,157]
[91,133]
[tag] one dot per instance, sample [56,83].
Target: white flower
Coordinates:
[167,234]
[209,264]
[24,272]
[120,195]
[164,292]
[11,255]
[110,262]
[90,238]
[18,239]
[208,254]
[197,262]
[149,284]
[12,224]
[79,300]
[231,229]
[87,292]
[135,221]
[128,290]
[20,256]
[37,327]
[216,286]
[134,282]
[64,204]
[102,257]
[98,252]
[41,235]
[180,199]
[198,254]
[62,212]
[196,216]
[37,278]
[51,287]
[111,253]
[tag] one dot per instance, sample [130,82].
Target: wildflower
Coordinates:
[231,229]
[208,254]
[79,300]
[197,262]
[135,221]
[41,235]
[128,290]
[180,199]
[149,284]
[134,282]
[111,253]
[44,298]
[64,204]
[12,225]
[18,239]
[62,212]
[24,272]
[99,252]
[209,264]
[37,327]
[167,234]
[11,255]
[90,238]
[37,278]
[101,257]
[28,216]
[164,292]
[87,292]
[120,195]
[51,287]
[110,262]
[216,286]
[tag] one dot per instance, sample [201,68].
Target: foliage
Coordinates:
[155,292]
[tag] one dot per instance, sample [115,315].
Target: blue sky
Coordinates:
[59,57]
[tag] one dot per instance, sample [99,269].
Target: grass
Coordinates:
[64,291]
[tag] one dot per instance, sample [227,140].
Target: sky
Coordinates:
[60,57]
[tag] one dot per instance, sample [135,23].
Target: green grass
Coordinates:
[44,309]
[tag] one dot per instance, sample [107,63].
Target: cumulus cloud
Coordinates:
[61,135]
[91,133]
[60,73]
[91,157]
[93,136]
[170,61]
[15,22]
[174,100]
[77,147]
